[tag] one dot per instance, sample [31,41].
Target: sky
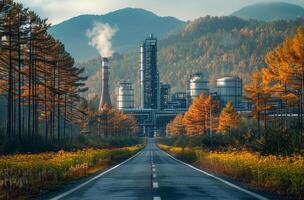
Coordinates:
[59,10]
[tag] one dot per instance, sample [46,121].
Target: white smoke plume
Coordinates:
[100,37]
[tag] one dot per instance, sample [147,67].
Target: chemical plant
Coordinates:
[157,105]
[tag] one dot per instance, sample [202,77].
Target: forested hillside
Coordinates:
[131,23]
[270,11]
[216,46]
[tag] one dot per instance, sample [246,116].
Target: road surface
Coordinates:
[153,174]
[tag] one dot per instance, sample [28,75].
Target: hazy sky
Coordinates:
[59,10]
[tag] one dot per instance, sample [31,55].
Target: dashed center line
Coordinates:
[155,184]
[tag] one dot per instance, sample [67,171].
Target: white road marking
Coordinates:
[155,184]
[156,198]
[153,170]
[154,176]
[259,197]
[153,165]
[92,179]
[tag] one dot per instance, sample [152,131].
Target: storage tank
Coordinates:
[125,99]
[230,88]
[198,85]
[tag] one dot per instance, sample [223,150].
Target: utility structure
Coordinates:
[125,99]
[105,100]
[198,85]
[149,77]
[230,88]
[165,95]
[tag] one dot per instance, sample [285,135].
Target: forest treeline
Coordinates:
[40,86]
[216,46]
[276,93]
[38,78]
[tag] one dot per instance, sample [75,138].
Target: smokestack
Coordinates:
[105,99]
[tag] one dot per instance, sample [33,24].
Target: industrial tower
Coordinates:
[149,78]
[105,99]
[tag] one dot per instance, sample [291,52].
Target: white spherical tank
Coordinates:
[198,85]
[125,99]
[230,88]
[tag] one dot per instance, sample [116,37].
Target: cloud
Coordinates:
[58,10]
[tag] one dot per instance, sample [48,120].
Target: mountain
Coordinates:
[216,46]
[270,11]
[133,25]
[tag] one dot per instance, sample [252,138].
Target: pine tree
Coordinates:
[228,119]
[257,94]
[176,126]
[197,119]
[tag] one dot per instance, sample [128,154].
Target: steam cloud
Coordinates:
[100,37]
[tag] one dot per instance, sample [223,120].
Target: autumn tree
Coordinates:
[176,126]
[200,116]
[111,122]
[228,119]
[285,74]
[257,94]
[37,76]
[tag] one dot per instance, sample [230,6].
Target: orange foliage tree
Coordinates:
[285,73]
[197,120]
[111,122]
[228,119]
[258,95]
[176,127]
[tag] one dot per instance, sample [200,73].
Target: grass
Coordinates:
[23,175]
[282,175]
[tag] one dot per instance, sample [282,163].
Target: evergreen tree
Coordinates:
[228,119]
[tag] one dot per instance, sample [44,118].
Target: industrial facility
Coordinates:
[157,105]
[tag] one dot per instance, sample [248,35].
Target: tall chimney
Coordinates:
[105,99]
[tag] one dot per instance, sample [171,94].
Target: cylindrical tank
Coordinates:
[230,88]
[198,85]
[125,98]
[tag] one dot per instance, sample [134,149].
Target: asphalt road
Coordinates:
[153,174]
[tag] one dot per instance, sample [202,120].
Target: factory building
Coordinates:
[125,98]
[149,78]
[178,101]
[230,88]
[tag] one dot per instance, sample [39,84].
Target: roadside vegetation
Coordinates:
[23,175]
[26,175]
[281,175]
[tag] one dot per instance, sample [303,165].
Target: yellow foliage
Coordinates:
[22,174]
[197,119]
[176,127]
[228,119]
[281,174]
